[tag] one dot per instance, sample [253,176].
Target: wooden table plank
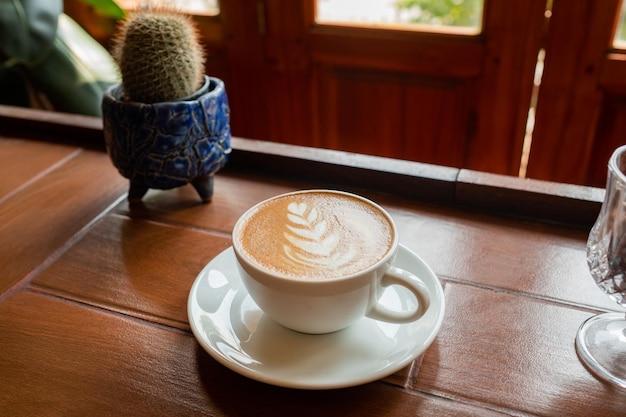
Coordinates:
[23,161]
[530,258]
[134,266]
[39,219]
[86,361]
[514,353]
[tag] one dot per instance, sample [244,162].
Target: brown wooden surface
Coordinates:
[580,107]
[93,291]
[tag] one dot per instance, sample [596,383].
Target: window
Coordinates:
[620,34]
[204,7]
[431,15]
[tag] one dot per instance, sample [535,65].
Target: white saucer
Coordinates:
[236,333]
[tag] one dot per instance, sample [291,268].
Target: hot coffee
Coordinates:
[315,235]
[316,261]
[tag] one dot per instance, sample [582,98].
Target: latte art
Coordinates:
[310,243]
[315,235]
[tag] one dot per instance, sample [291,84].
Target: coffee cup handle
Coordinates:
[397,276]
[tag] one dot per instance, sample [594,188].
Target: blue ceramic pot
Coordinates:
[170,144]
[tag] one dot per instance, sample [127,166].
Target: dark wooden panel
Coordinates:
[610,135]
[611,74]
[249,94]
[360,111]
[513,35]
[436,122]
[393,115]
[569,106]
[416,52]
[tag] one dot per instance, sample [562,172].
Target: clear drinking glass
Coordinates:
[601,340]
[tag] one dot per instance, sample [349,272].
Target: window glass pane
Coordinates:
[446,15]
[205,7]
[620,34]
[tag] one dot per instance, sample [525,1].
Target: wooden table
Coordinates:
[93,292]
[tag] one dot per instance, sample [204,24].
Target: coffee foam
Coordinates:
[315,235]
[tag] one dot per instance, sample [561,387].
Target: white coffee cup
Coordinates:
[316,261]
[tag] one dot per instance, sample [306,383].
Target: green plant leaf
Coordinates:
[27,29]
[76,72]
[107,7]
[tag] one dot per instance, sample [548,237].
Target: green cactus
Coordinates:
[159,55]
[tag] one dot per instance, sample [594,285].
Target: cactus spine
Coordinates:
[160,57]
